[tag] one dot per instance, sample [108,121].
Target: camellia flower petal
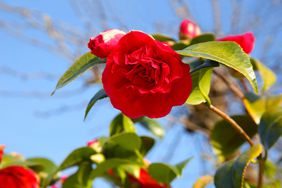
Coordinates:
[18,177]
[103,44]
[2,147]
[144,77]
[188,29]
[146,181]
[246,41]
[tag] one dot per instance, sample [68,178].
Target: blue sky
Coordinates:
[24,131]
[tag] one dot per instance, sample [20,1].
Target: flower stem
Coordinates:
[232,123]
[261,171]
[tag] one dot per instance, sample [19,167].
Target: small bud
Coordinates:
[188,30]
[103,44]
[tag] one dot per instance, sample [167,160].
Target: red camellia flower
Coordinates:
[1,151]
[17,177]
[103,44]
[144,77]
[146,181]
[188,29]
[246,41]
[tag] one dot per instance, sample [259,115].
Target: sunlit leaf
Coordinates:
[162,38]
[127,140]
[81,178]
[231,173]
[201,82]
[226,53]
[267,75]
[121,123]
[81,65]
[151,125]
[76,157]
[147,144]
[225,140]
[101,94]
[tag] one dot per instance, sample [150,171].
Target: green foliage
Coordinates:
[101,94]
[201,82]
[120,124]
[129,141]
[267,75]
[206,37]
[226,53]
[81,65]
[162,38]
[76,157]
[226,141]
[166,173]
[270,127]
[231,173]
[151,125]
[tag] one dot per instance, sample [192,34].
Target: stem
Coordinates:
[230,85]
[261,171]
[232,123]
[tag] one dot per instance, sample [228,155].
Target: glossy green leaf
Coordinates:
[180,45]
[81,65]
[120,124]
[81,178]
[206,37]
[225,140]
[267,75]
[151,125]
[270,127]
[201,83]
[199,64]
[257,105]
[227,53]
[103,167]
[127,140]
[76,157]
[147,144]
[101,94]
[44,167]
[162,172]
[166,173]
[231,173]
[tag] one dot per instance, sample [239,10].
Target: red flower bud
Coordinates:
[18,177]
[188,29]
[103,44]
[91,142]
[246,41]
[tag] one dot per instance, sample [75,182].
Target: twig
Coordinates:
[261,171]
[232,123]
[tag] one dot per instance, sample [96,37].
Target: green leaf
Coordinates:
[147,144]
[81,65]
[226,53]
[127,140]
[166,173]
[162,38]
[270,127]
[103,167]
[226,141]
[206,37]
[267,75]
[199,64]
[121,124]
[162,172]
[151,125]
[76,157]
[81,178]
[201,82]
[101,94]
[257,105]
[44,167]
[180,45]
[231,173]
